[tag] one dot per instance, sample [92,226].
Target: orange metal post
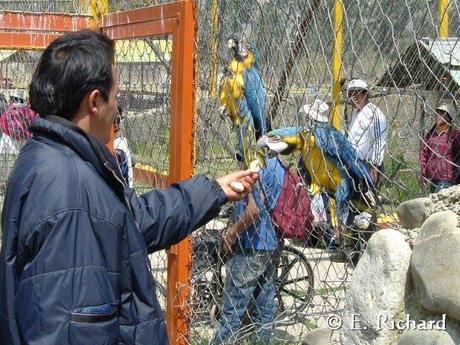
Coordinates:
[181,165]
[177,19]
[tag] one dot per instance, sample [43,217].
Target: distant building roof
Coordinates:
[127,51]
[434,64]
[142,51]
[21,55]
[446,51]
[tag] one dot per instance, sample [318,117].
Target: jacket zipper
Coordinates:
[109,168]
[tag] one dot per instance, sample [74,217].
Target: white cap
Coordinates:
[18,94]
[317,111]
[448,108]
[357,84]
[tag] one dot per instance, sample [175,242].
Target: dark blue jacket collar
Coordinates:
[89,148]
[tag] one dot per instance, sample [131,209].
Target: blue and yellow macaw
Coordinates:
[329,159]
[243,96]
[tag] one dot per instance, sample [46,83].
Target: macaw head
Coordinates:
[281,141]
[239,45]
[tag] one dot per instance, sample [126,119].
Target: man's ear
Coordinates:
[93,101]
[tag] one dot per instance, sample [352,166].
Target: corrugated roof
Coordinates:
[6,53]
[432,63]
[455,76]
[445,50]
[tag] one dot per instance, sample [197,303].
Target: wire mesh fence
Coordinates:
[394,46]
[144,96]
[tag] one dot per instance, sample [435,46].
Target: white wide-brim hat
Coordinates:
[357,84]
[318,111]
[447,107]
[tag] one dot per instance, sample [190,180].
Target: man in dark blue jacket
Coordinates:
[73,263]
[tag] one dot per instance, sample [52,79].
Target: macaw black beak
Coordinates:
[262,143]
[272,153]
[263,149]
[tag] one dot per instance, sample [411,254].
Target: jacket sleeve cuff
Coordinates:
[221,196]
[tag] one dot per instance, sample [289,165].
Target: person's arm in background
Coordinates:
[166,216]
[456,154]
[250,216]
[378,131]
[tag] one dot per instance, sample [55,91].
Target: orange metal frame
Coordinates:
[176,19]
[37,30]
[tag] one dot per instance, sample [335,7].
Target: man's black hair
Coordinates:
[70,67]
[119,116]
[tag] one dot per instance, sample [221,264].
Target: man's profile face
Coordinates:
[357,98]
[109,110]
[441,117]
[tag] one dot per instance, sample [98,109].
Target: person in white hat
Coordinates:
[368,128]
[440,154]
[317,111]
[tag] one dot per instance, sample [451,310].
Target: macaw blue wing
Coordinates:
[339,149]
[245,132]
[255,95]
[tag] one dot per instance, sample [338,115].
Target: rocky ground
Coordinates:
[405,289]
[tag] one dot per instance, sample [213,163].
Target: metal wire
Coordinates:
[294,39]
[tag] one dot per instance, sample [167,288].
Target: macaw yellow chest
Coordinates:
[232,88]
[323,172]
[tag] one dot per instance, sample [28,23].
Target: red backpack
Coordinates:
[292,214]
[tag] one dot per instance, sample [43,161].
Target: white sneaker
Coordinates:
[362,220]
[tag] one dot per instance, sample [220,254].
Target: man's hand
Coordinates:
[374,172]
[246,178]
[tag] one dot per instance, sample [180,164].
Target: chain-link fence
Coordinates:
[394,46]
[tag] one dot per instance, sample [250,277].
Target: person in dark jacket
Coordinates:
[440,154]
[73,263]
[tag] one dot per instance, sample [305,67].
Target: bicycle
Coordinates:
[294,282]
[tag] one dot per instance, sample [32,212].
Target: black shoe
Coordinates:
[333,245]
[226,211]
[339,256]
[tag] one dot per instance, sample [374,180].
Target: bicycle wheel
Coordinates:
[206,279]
[295,282]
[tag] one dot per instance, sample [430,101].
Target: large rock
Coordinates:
[377,289]
[321,336]
[435,264]
[425,337]
[412,213]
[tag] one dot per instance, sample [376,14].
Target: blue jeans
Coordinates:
[249,285]
[436,186]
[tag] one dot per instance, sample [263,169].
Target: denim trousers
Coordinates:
[436,186]
[249,287]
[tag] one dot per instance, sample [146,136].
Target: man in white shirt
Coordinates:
[123,154]
[368,127]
